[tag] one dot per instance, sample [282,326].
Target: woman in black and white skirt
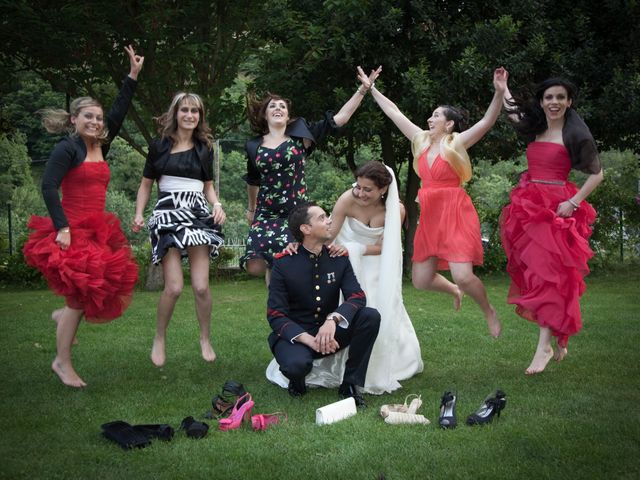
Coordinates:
[182,225]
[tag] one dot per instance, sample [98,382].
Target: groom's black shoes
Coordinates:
[347,390]
[296,388]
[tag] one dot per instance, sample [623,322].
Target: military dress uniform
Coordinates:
[304,291]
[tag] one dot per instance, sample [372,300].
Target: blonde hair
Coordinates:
[452,149]
[56,120]
[168,124]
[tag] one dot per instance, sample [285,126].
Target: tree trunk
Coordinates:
[155,278]
[413,213]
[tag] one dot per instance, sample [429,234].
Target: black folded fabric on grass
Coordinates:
[160,431]
[124,435]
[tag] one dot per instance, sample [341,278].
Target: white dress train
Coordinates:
[396,353]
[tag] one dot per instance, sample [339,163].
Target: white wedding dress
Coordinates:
[396,353]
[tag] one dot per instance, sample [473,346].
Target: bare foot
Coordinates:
[158,356]
[207,351]
[540,360]
[55,316]
[493,322]
[67,374]
[559,353]
[457,300]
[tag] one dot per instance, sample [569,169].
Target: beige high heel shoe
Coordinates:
[399,418]
[411,409]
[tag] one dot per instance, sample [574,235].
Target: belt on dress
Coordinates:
[548,182]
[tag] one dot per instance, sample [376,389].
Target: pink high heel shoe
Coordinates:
[241,411]
[263,420]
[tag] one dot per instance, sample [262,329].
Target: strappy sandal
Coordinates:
[263,420]
[399,418]
[411,409]
[223,403]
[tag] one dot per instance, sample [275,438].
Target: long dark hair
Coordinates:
[256,109]
[377,173]
[459,116]
[168,123]
[526,105]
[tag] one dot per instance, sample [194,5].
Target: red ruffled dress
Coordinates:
[449,227]
[547,254]
[97,273]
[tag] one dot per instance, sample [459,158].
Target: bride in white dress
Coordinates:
[367,221]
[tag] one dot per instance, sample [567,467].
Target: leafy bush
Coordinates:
[126,166]
[489,191]
[124,208]
[14,165]
[616,235]
[15,272]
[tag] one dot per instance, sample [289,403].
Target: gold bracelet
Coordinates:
[64,230]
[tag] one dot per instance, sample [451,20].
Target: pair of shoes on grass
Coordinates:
[404,414]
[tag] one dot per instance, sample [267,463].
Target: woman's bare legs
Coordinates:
[257,267]
[425,276]
[543,354]
[67,326]
[55,316]
[471,285]
[173,283]
[199,261]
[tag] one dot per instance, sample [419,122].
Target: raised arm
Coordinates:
[122,102]
[406,126]
[506,99]
[344,114]
[471,136]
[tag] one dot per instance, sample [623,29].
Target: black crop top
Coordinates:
[180,164]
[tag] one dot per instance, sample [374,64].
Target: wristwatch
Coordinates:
[335,318]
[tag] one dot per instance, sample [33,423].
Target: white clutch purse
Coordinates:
[334,412]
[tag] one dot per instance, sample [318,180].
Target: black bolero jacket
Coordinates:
[579,142]
[71,151]
[158,156]
[299,128]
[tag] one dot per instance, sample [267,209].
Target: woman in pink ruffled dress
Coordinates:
[546,228]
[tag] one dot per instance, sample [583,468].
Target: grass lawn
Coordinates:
[578,419]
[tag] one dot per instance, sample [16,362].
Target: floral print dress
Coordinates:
[282,187]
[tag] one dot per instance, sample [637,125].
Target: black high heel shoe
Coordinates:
[491,407]
[447,418]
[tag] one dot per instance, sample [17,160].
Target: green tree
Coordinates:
[126,167]
[22,96]
[14,165]
[78,49]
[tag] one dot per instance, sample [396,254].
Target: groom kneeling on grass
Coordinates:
[303,309]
